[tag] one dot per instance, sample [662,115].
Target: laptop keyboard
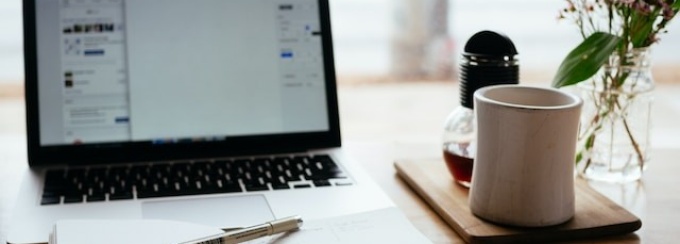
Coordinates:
[110,183]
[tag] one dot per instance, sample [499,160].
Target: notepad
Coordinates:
[387,225]
[127,231]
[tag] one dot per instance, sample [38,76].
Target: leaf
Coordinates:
[584,61]
[642,27]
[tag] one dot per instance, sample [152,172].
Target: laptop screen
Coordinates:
[158,72]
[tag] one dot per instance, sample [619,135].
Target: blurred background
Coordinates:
[415,40]
[412,40]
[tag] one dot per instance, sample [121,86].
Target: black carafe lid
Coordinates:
[489,59]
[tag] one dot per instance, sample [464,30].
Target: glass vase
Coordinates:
[615,121]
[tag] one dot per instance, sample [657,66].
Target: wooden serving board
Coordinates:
[596,215]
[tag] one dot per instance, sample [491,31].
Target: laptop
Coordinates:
[215,112]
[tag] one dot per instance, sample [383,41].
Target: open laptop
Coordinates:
[219,112]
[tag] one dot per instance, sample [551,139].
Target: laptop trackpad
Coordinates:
[221,212]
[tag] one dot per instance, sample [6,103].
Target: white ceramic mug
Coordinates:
[524,167]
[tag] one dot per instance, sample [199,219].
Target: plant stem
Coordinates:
[606,102]
[634,142]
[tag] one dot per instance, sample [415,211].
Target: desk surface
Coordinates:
[384,122]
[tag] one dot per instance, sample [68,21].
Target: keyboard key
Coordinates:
[279,182]
[147,193]
[319,183]
[51,194]
[95,198]
[49,200]
[229,187]
[73,198]
[121,196]
[54,190]
[290,176]
[302,186]
[280,186]
[146,189]
[257,188]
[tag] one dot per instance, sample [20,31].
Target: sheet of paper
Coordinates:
[128,231]
[387,225]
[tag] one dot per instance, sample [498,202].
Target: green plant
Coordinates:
[612,30]
[611,27]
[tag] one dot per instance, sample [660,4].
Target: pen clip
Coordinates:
[231,229]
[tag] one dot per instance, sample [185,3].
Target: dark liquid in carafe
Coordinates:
[460,167]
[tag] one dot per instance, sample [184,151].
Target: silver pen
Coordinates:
[252,232]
